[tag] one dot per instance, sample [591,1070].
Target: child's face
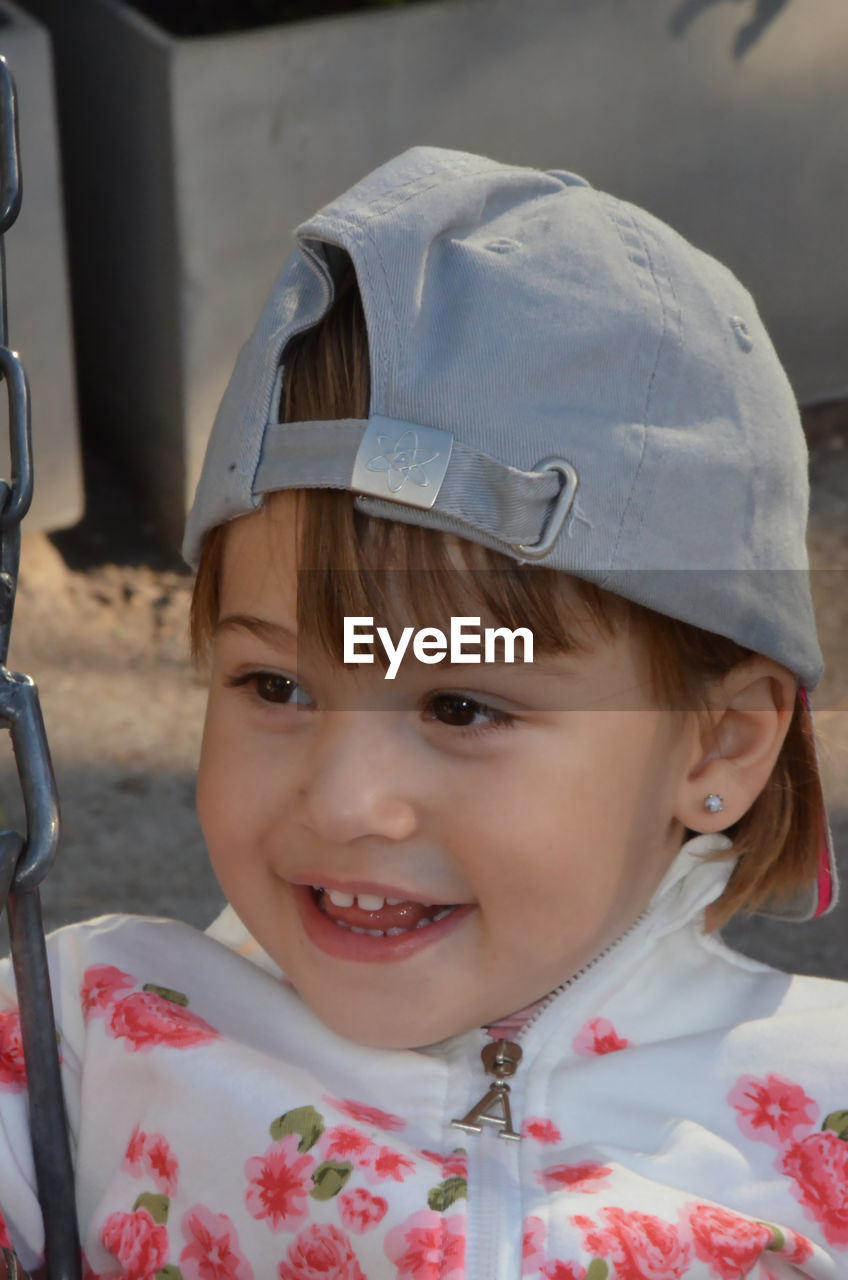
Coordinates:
[546,834]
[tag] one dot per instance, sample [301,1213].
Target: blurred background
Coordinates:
[168,149]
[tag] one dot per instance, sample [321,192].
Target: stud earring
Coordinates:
[713,803]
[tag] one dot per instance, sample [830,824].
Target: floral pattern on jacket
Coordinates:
[310,1162]
[143,1019]
[12,1067]
[221,1136]
[777,1111]
[282,1185]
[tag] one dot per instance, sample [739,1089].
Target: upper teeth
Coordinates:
[370,902]
[340,899]
[365,901]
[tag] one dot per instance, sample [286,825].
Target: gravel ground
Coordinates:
[100,624]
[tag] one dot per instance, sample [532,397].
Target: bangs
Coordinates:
[434,577]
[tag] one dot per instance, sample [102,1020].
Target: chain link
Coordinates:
[10,1267]
[26,858]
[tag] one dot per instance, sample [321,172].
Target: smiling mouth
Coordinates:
[378,917]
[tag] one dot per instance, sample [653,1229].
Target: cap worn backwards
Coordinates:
[554,373]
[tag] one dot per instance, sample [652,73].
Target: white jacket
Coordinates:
[683,1111]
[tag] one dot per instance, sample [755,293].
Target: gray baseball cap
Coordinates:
[554,373]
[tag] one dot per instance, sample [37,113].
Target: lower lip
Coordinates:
[337,941]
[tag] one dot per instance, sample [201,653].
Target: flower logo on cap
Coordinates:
[403,460]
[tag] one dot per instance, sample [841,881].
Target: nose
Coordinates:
[356,779]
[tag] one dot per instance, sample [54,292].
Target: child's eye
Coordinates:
[462,712]
[271,686]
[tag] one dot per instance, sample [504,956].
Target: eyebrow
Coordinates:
[271,633]
[283,638]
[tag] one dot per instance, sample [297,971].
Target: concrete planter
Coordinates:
[39,310]
[189,160]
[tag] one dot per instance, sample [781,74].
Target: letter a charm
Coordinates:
[500,1060]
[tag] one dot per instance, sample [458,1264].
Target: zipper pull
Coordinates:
[500,1060]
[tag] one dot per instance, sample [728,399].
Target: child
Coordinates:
[467,1014]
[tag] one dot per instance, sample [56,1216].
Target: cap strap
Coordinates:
[413,465]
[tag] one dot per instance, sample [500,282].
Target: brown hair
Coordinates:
[327,375]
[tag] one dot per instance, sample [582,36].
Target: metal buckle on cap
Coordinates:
[402,462]
[565,498]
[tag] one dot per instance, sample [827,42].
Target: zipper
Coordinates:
[587,968]
[497,1255]
[497,1179]
[502,1057]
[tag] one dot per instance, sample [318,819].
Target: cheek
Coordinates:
[231,819]
[246,782]
[226,784]
[215,807]
[574,828]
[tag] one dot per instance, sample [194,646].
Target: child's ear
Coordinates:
[737,744]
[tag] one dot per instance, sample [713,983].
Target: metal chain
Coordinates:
[10,1267]
[26,858]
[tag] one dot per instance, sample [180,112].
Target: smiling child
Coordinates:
[467,1013]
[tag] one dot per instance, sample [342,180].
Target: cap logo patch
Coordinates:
[402,462]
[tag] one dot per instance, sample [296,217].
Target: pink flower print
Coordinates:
[427,1246]
[134,1154]
[360,1211]
[139,1243]
[541,1130]
[588,1177]
[343,1142]
[146,1020]
[597,1036]
[162,1164]
[212,1247]
[532,1246]
[150,1153]
[641,1246]
[771,1110]
[387,1164]
[819,1166]
[5,1240]
[797,1247]
[101,984]
[452,1165]
[367,1115]
[321,1253]
[533,1260]
[729,1243]
[279,1183]
[563,1271]
[12,1066]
